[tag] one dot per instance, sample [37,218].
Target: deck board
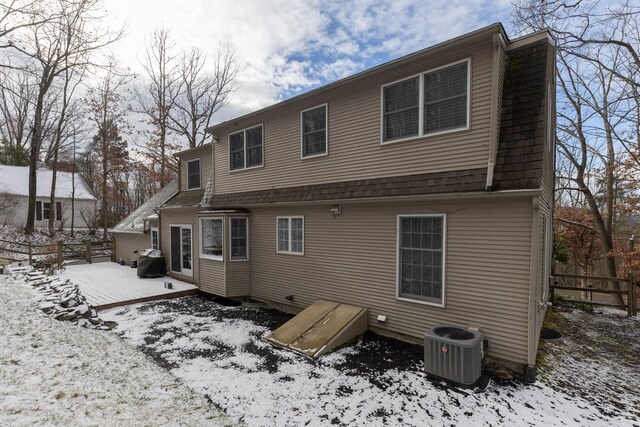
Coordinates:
[108,284]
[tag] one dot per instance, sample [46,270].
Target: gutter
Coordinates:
[499,48]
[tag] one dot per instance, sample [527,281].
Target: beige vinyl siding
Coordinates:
[204,154]
[127,243]
[212,276]
[238,278]
[180,216]
[352,259]
[354,136]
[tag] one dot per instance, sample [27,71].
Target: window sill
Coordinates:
[194,188]
[425,135]
[211,257]
[246,169]
[290,253]
[313,156]
[421,302]
[239,260]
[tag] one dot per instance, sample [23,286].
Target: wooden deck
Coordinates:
[108,284]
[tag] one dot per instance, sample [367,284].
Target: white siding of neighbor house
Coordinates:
[17,214]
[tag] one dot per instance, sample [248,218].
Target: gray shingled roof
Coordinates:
[135,221]
[518,162]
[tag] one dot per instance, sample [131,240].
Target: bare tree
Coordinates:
[20,14]
[62,40]
[107,112]
[202,93]
[598,77]
[157,98]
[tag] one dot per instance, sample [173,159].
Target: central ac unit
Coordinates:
[454,354]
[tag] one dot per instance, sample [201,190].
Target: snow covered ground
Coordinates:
[216,350]
[54,373]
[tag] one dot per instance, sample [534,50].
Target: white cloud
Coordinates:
[287,46]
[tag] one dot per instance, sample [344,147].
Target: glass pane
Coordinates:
[314,143]
[238,238]
[186,248]
[445,97]
[193,174]
[296,235]
[283,234]
[401,109]
[254,146]
[212,237]
[236,150]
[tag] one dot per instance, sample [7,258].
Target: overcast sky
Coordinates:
[285,47]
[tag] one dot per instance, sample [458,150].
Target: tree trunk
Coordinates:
[34,155]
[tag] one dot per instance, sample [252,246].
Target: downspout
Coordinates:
[499,47]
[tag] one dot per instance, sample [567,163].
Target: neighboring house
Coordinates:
[421,189]
[139,230]
[14,191]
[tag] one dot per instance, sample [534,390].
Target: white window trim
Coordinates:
[199,174]
[261,125]
[207,256]
[247,231]
[182,270]
[421,133]
[289,217]
[151,231]
[444,257]
[326,133]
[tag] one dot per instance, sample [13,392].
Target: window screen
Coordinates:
[421,258]
[193,174]
[401,109]
[239,237]
[314,131]
[245,148]
[445,98]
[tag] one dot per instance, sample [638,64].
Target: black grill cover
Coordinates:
[151,266]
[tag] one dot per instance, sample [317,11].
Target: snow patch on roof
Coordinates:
[15,180]
[135,221]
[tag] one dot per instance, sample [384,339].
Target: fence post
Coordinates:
[60,257]
[30,254]
[88,250]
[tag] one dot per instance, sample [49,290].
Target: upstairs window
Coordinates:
[246,148]
[193,174]
[430,103]
[445,98]
[314,131]
[402,109]
[291,235]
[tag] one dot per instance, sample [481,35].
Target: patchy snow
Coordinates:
[57,374]
[15,180]
[217,351]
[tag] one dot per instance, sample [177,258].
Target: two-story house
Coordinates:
[421,189]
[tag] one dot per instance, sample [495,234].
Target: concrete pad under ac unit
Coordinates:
[320,328]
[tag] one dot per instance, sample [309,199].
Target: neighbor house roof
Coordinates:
[15,180]
[135,221]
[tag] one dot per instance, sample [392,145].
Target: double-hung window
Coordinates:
[211,238]
[433,102]
[421,255]
[314,131]
[193,174]
[290,234]
[239,239]
[246,148]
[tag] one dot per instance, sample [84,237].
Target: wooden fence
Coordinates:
[594,290]
[54,253]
